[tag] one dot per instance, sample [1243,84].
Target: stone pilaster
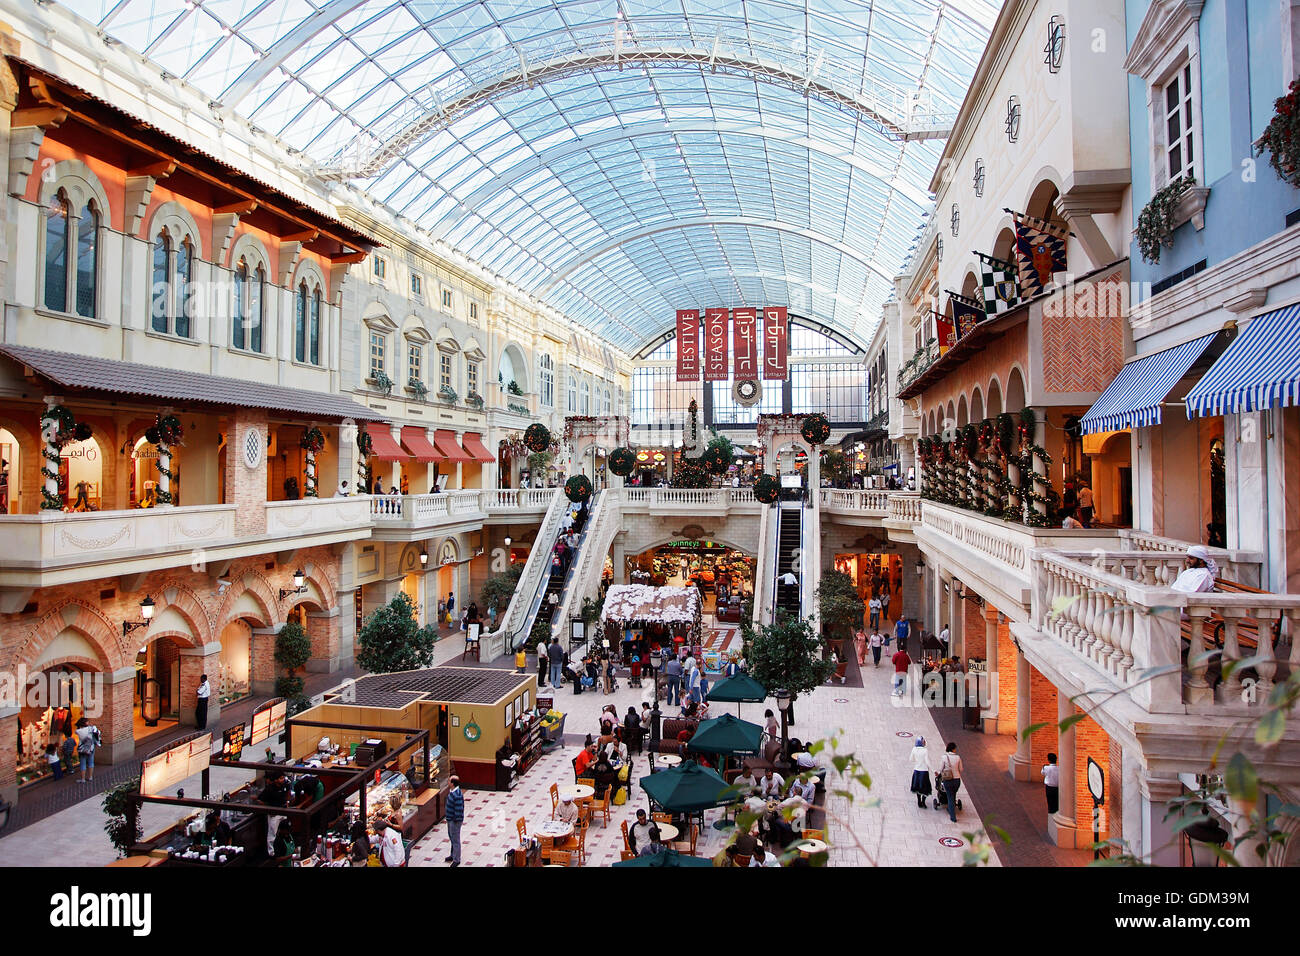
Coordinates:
[195,662]
[117,725]
[246,486]
[324,629]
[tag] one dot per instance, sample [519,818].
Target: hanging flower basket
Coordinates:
[313,440]
[1155,225]
[716,460]
[767,489]
[622,461]
[537,437]
[815,429]
[1281,138]
[578,489]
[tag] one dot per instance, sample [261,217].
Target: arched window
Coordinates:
[256,307]
[57,229]
[70,284]
[160,301]
[184,287]
[585,406]
[241,298]
[573,395]
[313,332]
[246,326]
[300,324]
[87,229]
[546,380]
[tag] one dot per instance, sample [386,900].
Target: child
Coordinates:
[521,660]
[52,758]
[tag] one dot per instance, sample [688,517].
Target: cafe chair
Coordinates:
[546,844]
[587,782]
[601,806]
[626,854]
[555,799]
[521,827]
[660,817]
[561,858]
[688,846]
[577,843]
[627,842]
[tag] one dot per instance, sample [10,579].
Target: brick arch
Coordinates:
[90,622]
[187,604]
[254,583]
[320,580]
[81,663]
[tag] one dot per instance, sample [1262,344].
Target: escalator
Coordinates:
[551,580]
[788,542]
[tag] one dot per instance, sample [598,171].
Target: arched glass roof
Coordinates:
[619,159]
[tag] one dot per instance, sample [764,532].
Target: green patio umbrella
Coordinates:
[727,735]
[740,689]
[688,788]
[667,858]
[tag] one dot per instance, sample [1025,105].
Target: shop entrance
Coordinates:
[9,472]
[157,687]
[233,679]
[50,709]
[724,575]
[875,575]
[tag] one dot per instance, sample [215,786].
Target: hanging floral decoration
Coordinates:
[537,437]
[716,460]
[365,444]
[815,429]
[1281,138]
[578,489]
[767,489]
[313,440]
[693,424]
[622,461]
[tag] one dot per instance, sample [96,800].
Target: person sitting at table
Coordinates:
[616,752]
[747,782]
[608,720]
[777,832]
[690,709]
[585,759]
[606,776]
[772,784]
[567,811]
[763,856]
[654,846]
[638,835]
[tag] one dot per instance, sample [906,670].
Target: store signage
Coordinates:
[744,323]
[167,768]
[232,742]
[715,345]
[776,343]
[688,345]
[268,721]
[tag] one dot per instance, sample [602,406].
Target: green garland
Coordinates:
[58,427]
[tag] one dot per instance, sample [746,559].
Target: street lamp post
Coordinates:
[656,660]
[783,701]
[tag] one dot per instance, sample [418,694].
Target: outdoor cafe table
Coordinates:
[810,847]
[668,760]
[555,829]
[578,791]
[668,832]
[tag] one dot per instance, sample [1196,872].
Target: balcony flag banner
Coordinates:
[1040,252]
[776,343]
[745,343]
[688,345]
[966,313]
[945,332]
[1001,291]
[715,345]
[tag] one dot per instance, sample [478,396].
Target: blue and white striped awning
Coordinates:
[1133,399]
[1260,369]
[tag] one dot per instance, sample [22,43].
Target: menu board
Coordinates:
[232,742]
[268,721]
[174,765]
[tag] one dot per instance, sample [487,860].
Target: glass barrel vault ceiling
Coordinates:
[619,159]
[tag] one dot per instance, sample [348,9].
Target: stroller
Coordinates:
[941,793]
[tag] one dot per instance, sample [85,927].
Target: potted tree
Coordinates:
[392,640]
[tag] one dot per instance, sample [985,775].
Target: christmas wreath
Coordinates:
[1006,428]
[577,488]
[537,437]
[815,429]
[313,440]
[169,429]
[365,444]
[622,461]
[767,489]
[716,460]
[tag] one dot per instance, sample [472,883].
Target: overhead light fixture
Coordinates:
[424,558]
[146,612]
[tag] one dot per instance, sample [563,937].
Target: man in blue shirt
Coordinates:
[673,675]
[455,815]
[902,630]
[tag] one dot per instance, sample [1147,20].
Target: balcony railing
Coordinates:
[1243,567]
[688,499]
[1100,606]
[427,509]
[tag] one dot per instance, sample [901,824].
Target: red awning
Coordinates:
[385,448]
[473,444]
[416,442]
[446,442]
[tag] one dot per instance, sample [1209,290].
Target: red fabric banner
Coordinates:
[946,336]
[745,343]
[688,345]
[715,344]
[776,344]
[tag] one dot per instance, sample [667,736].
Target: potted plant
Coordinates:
[513,388]
[1281,138]
[447,394]
[1158,219]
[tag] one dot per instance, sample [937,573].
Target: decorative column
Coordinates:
[116,720]
[8,748]
[246,470]
[324,628]
[956,645]
[311,442]
[1063,826]
[990,715]
[1160,844]
[347,464]
[1018,762]
[50,426]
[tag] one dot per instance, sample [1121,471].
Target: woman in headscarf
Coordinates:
[921,771]
[1199,572]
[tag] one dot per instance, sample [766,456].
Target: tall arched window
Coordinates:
[241,299]
[246,327]
[313,329]
[184,287]
[87,229]
[584,406]
[160,300]
[256,306]
[573,395]
[300,324]
[57,229]
[546,380]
